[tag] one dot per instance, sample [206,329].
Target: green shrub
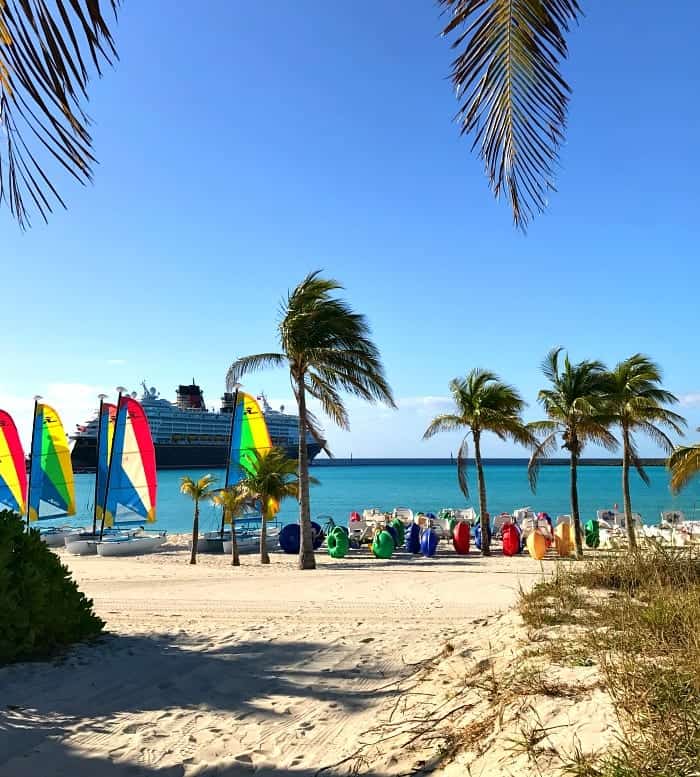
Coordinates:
[41,608]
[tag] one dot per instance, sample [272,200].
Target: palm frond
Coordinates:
[657,435]
[513,97]
[313,425]
[636,463]
[550,364]
[514,429]
[542,450]
[636,400]
[684,464]
[200,489]
[330,400]
[445,422]
[246,364]
[462,459]
[44,47]
[547,426]
[590,430]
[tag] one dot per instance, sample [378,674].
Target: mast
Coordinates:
[228,454]
[102,398]
[120,390]
[31,457]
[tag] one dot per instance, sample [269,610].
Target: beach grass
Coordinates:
[637,616]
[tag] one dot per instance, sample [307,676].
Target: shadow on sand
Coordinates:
[87,692]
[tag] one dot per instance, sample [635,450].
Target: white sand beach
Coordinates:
[214,670]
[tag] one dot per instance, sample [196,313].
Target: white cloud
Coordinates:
[74,402]
[116,361]
[427,403]
[688,400]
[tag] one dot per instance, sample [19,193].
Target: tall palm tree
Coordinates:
[199,491]
[327,348]
[232,501]
[636,403]
[270,477]
[575,405]
[483,403]
[45,50]
[684,464]
[513,98]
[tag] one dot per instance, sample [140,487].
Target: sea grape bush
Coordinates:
[41,607]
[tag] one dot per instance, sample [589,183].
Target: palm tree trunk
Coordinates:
[575,517]
[195,533]
[264,557]
[626,499]
[307,560]
[235,560]
[484,517]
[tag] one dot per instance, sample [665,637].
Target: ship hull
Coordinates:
[174,456]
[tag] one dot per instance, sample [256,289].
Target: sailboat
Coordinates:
[13,473]
[85,543]
[249,433]
[130,483]
[51,485]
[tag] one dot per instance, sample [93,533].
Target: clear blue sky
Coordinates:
[241,147]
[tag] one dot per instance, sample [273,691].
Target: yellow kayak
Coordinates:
[536,545]
[564,540]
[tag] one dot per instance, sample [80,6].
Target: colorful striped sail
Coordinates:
[132,479]
[13,472]
[51,475]
[106,422]
[249,433]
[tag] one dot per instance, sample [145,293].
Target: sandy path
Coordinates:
[210,670]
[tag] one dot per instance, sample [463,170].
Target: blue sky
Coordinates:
[247,145]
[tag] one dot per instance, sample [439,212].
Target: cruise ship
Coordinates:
[186,434]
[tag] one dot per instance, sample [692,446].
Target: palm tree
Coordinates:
[513,98]
[271,476]
[575,404]
[44,49]
[636,403]
[199,491]
[684,464]
[233,501]
[482,404]
[327,348]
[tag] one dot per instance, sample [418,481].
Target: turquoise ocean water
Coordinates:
[429,488]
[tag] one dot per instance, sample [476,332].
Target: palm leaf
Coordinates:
[513,96]
[246,364]
[542,450]
[462,459]
[43,84]
[637,464]
[330,400]
[684,464]
[446,422]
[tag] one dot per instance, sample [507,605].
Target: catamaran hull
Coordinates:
[211,542]
[175,456]
[55,537]
[251,543]
[85,543]
[82,547]
[130,546]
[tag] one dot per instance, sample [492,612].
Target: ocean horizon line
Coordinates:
[496,461]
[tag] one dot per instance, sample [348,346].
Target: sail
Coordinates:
[132,479]
[248,434]
[51,476]
[13,472]
[105,435]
